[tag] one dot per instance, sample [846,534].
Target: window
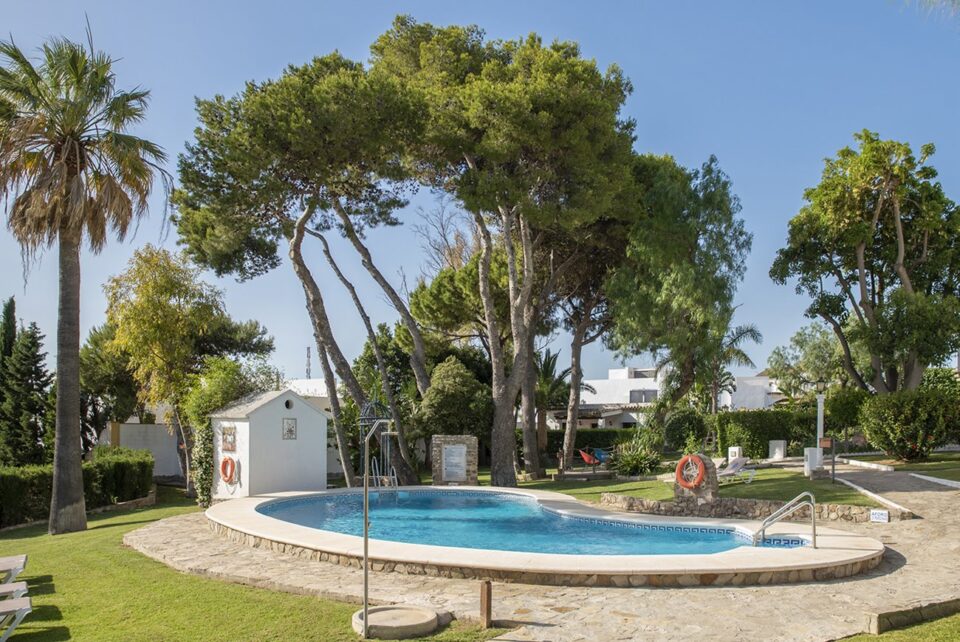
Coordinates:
[643,396]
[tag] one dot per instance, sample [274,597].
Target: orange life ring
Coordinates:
[690,471]
[227,469]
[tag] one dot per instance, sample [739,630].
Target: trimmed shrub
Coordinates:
[752,430]
[843,407]
[907,425]
[947,382]
[114,475]
[684,425]
[638,456]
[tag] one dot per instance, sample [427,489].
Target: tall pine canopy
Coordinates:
[25,404]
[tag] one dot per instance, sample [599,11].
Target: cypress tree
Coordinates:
[25,404]
[8,334]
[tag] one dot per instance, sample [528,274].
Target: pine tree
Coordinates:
[25,403]
[8,334]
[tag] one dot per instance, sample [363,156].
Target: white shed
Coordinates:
[278,440]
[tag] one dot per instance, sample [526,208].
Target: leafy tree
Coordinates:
[71,174]
[552,390]
[106,378]
[673,295]
[455,404]
[317,148]
[875,248]
[165,320]
[220,381]
[24,409]
[527,137]
[812,355]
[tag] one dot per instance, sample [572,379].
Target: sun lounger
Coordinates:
[10,567]
[13,590]
[737,469]
[12,613]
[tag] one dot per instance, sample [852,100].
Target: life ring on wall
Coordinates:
[228,467]
[690,471]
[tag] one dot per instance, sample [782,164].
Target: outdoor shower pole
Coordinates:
[366,517]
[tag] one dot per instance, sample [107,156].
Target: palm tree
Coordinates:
[730,353]
[71,174]
[551,385]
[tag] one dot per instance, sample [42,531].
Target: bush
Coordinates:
[843,407]
[752,430]
[946,381]
[114,475]
[683,426]
[638,456]
[907,425]
[455,404]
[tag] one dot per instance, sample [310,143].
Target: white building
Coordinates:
[278,441]
[752,393]
[615,402]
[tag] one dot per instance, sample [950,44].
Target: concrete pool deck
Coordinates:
[921,565]
[838,553]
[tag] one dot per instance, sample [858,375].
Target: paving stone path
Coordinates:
[922,564]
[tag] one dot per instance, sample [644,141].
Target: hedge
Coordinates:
[907,425]
[586,438]
[114,475]
[752,430]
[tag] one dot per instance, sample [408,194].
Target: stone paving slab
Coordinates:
[922,564]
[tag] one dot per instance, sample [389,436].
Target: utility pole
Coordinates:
[308,362]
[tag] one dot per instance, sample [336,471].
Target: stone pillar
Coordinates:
[708,490]
[454,460]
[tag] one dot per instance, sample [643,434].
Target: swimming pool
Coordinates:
[535,537]
[504,522]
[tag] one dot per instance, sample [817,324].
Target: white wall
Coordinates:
[752,393]
[616,388]
[220,489]
[268,463]
[278,464]
[157,438]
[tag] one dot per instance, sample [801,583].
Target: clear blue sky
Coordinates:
[771,88]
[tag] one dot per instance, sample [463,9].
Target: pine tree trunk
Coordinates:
[343,444]
[573,401]
[67,504]
[528,410]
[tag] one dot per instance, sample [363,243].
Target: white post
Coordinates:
[366,519]
[820,398]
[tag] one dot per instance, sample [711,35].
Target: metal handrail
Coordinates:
[785,511]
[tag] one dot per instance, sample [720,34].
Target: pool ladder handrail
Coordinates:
[805,498]
[378,479]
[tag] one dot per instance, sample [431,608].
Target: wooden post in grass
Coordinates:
[486,604]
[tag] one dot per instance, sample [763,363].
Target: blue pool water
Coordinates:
[499,521]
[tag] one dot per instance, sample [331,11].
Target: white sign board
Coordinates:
[455,462]
[877,515]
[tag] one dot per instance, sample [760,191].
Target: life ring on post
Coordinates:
[228,468]
[690,471]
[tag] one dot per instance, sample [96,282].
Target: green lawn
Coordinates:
[770,483]
[944,465]
[782,484]
[87,586]
[943,630]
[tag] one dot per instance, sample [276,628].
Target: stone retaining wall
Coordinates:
[666,579]
[739,508]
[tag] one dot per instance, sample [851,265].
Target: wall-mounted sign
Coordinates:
[289,429]
[228,442]
[878,515]
[455,462]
